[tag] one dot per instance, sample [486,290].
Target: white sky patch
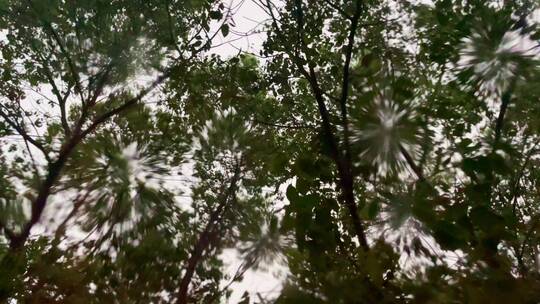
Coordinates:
[534,17]
[267,283]
[246,31]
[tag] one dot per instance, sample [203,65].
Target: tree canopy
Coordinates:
[382,151]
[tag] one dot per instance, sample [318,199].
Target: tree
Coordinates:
[385,150]
[412,111]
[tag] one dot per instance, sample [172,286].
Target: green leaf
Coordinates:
[225,30]
[216,15]
[449,235]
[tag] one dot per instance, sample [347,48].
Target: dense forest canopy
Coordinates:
[381,151]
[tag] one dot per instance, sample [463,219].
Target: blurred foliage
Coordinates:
[412,123]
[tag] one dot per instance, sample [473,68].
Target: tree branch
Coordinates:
[24,134]
[205,239]
[346,78]
[55,90]
[65,53]
[56,167]
[410,161]
[346,179]
[337,8]
[126,105]
[506,98]
[61,229]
